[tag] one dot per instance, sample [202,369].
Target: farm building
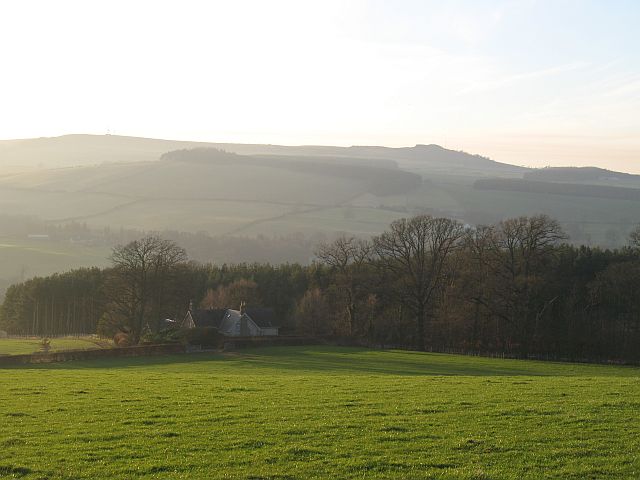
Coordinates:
[245,322]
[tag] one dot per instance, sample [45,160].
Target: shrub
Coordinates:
[205,336]
[45,345]
[122,339]
[167,335]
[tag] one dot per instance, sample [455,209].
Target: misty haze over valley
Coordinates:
[67,200]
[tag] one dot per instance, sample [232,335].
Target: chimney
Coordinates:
[244,324]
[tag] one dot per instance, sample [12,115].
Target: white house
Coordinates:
[245,322]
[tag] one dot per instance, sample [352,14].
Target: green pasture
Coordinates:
[361,221]
[215,217]
[58,205]
[319,412]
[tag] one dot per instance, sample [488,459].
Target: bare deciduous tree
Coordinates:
[230,296]
[348,256]
[634,237]
[313,313]
[413,254]
[511,258]
[141,272]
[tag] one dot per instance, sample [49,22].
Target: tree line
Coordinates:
[514,287]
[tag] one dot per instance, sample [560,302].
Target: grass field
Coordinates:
[319,412]
[27,258]
[19,346]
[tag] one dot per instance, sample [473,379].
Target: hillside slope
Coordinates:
[592,175]
[73,150]
[70,150]
[252,190]
[204,190]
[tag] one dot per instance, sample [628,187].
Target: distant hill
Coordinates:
[81,149]
[109,181]
[578,174]
[374,179]
[430,153]
[557,188]
[74,150]
[419,155]
[209,190]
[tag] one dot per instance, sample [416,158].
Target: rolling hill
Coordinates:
[581,175]
[252,191]
[203,189]
[78,149]
[231,189]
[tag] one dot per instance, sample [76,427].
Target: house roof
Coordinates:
[229,319]
[263,317]
[223,318]
[208,318]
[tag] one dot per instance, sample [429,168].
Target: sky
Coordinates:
[529,82]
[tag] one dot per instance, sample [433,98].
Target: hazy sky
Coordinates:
[546,82]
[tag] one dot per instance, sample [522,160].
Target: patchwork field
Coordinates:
[122,182]
[319,412]
[29,258]
[23,258]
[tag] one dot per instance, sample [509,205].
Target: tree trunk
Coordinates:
[421,328]
[351,311]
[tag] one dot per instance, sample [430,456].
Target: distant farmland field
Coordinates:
[282,195]
[24,258]
[319,412]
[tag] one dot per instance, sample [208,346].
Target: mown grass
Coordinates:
[319,412]
[19,346]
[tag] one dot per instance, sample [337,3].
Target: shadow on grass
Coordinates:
[342,360]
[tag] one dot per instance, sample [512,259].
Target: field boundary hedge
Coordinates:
[68,355]
[543,357]
[240,343]
[236,343]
